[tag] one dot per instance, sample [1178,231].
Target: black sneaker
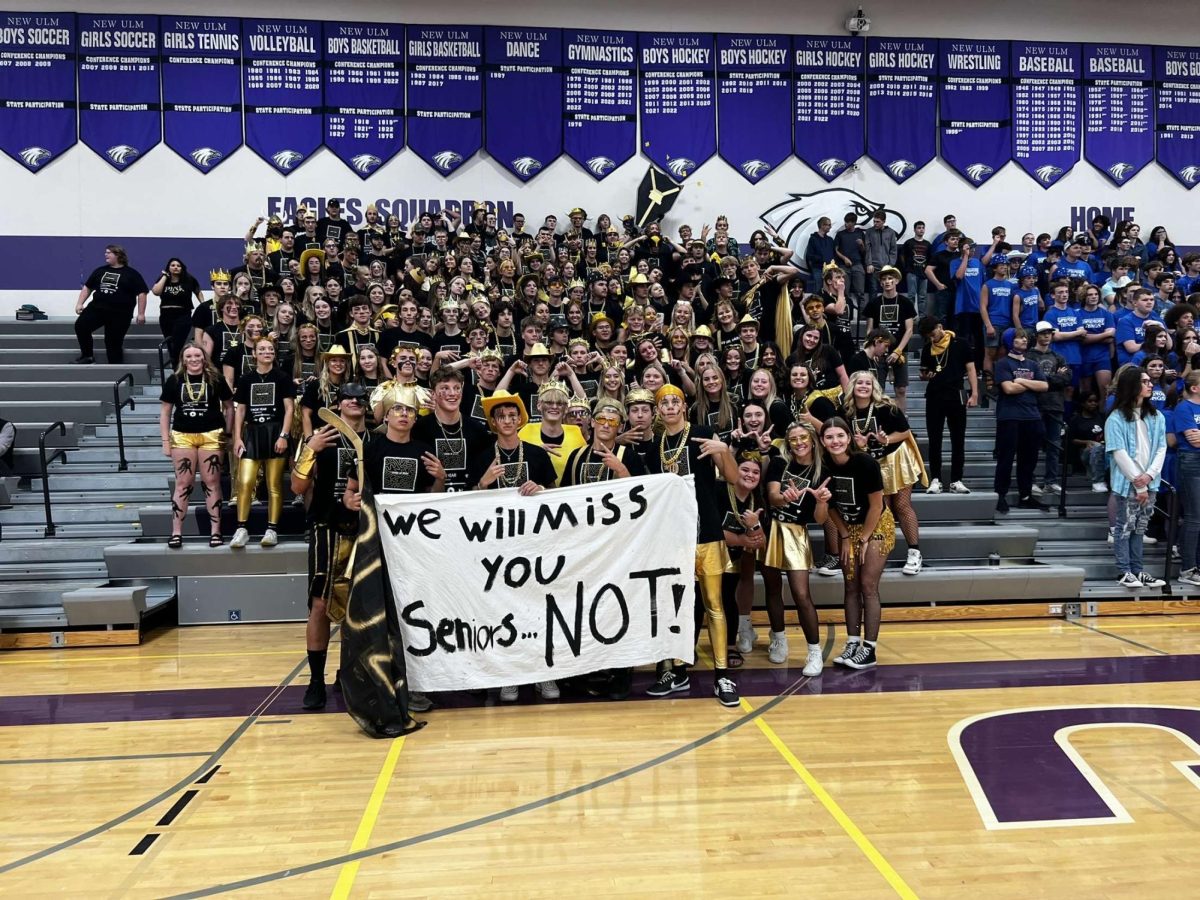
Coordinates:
[1002,505]
[314,697]
[847,653]
[1028,503]
[83,361]
[864,657]
[726,692]
[664,686]
[829,566]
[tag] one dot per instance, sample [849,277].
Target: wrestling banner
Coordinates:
[975,108]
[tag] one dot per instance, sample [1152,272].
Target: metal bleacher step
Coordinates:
[14,572]
[99,373]
[17,594]
[30,551]
[89,412]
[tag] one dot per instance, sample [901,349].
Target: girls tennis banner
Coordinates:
[901,104]
[975,108]
[754,102]
[600,99]
[494,589]
[829,127]
[523,96]
[202,88]
[364,93]
[445,94]
[282,84]
[37,87]
[1118,109]
[1046,108]
[678,101]
[1177,73]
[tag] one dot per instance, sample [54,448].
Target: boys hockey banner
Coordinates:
[202,88]
[1118,111]
[494,589]
[37,87]
[523,94]
[830,126]
[1046,108]
[901,104]
[677,104]
[975,108]
[445,94]
[1177,73]
[754,102]
[282,74]
[600,99]
[120,117]
[364,93]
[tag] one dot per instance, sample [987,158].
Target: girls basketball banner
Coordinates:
[678,103]
[202,88]
[282,84]
[120,116]
[523,93]
[37,87]
[901,104]
[1046,108]
[829,121]
[975,108]
[754,102]
[1118,109]
[1177,73]
[445,94]
[600,99]
[364,93]
[492,588]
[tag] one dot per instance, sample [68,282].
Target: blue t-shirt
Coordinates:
[1187,284]
[967,294]
[1031,307]
[1022,406]
[1187,416]
[1000,303]
[1068,319]
[1132,328]
[1158,396]
[1078,269]
[1096,321]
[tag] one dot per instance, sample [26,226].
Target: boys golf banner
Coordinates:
[493,589]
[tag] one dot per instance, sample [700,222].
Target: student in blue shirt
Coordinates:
[1096,364]
[1186,427]
[1072,264]
[1069,332]
[996,310]
[1131,328]
[1029,303]
[968,280]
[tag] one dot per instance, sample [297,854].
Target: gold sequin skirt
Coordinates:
[789,549]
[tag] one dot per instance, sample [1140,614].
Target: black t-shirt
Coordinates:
[457,446]
[178,294]
[825,370]
[945,262]
[949,368]
[263,395]
[224,339]
[242,362]
[881,417]
[851,484]
[1084,428]
[197,404]
[585,467]
[529,463]
[391,338]
[732,508]
[205,315]
[393,468]
[457,342]
[766,299]
[890,314]
[689,463]
[334,465]
[118,287]
[789,473]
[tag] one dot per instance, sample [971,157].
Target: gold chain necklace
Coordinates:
[670,462]
[191,395]
[505,481]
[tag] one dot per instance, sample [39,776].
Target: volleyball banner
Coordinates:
[902,104]
[523,93]
[600,99]
[677,107]
[37,87]
[1046,108]
[120,117]
[829,122]
[282,84]
[494,589]
[1177,144]
[445,94]
[1118,109]
[364,93]
[754,102]
[202,88]
[975,108]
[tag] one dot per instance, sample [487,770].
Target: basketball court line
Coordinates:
[88,759]
[345,882]
[1117,637]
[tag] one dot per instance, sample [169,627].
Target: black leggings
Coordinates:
[114,320]
[941,411]
[176,326]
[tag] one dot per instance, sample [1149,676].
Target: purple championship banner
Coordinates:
[1177,144]
[1118,109]
[37,87]
[975,108]
[902,104]
[523,83]
[281,72]
[829,124]
[445,93]
[600,98]
[678,101]
[202,88]
[120,116]
[754,102]
[364,93]
[1046,108]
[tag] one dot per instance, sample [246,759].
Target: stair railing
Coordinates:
[60,452]
[122,465]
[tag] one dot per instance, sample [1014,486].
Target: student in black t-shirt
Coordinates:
[114,289]
[945,362]
[894,312]
[192,423]
[175,289]
[457,440]
[395,463]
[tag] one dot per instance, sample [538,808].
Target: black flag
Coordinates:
[655,197]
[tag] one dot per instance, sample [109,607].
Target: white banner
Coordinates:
[496,589]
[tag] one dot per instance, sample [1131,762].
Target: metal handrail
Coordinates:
[163,361]
[1172,530]
[60,452]
[122,465]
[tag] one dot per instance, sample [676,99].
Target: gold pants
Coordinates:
[247,480]
[711,560]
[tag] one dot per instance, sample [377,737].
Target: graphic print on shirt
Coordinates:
[452,452]
[399,474]
[262,401]
[844,495]
[347,465]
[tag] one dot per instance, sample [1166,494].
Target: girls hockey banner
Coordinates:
[830,125]
[1118,109]
[1177,73]
[1046,108]
[120,116]
[445,94]
[364,93]
[37,87]
[975,108]
[600,99]
[282,84]
[901,104]
[678,103]
[754,102]
[523,94]
[202,88]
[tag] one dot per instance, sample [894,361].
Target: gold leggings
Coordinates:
[247,480]
[718,629]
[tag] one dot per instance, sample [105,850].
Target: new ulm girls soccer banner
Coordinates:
[37,87]
[902,104]
[754,102]
[975,108]
[120,117]
[282,75]
[445,94]
[829,123]
[1118,110]
[1177,73]
[364,93]
[600,99]
[202,88]
[678,101]
[1046,108]
[523,93]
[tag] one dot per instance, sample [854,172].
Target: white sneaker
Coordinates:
[547,689]
[746,636]
[912,565]
[1052,489]
[1131,581]
[1189,576]
[508,694]
[935,487]
[777,652]
[1150,581]
[1110,537]
[1036,490]
[240,539]
[813,663]
[1099,487]
[958,487]
[269,538]
[1147,540]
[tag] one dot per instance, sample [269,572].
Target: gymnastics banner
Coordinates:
[677,104]
[1046,108]
[600,99]
[829,128]
[975,108]
[202,88]
[364,93]
[493,589]
[445,94]
[523,93]
[282,84]
[901,104]
[37,87]
[1177,145]
[754,102]
[120,116]
[1118,104]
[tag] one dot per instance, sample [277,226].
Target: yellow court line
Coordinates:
[897,628]
[33,661]
[852,831]
[345,882]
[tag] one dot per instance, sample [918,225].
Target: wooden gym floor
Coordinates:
[1000,759]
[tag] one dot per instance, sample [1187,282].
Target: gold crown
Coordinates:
[576,283]
[578,341]
[553,386]
[638,395]
[218,275]
[252,247]
[490,353]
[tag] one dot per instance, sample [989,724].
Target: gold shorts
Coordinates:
[788,549]
[200,440]
[900,469]
[711,558]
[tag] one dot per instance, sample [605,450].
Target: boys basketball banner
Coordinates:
[600,99]
[754,102]
[202,88]
[829,127]
[364,93]
[1177,73]
[282,73]
[1118,120]
[37,87]
[445,94]
[975,108]
[523,94]
[495,589]
[901,104]
[678,102]
[120,116]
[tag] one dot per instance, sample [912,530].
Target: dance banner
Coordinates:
[445,94]
[1177,77]
[37,87]
[678,102]
[523,92]
[120,116]
[830,129]
[282,75]
[364,93]
[975,108]
[202,88]
[494,589]
[754,102]
[600,99]
[1118,103]
[901,104]
[1046,108]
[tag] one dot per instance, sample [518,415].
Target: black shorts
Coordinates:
[328,553]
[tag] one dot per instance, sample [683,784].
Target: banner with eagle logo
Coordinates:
[120,117]
[445,94]
[678,101]
[37,103]
[364,93]
[975,108]
[1118,109]
[830,126]
[902,104]
[523,93]
[600,99]
[754,102]
[1046,108]
[282,84]
[1177,73]
[202,88]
